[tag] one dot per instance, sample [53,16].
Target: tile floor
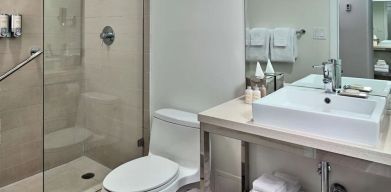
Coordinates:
[64,178]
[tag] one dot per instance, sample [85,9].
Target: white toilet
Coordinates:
[173,160]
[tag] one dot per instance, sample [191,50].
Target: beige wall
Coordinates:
[21,97]
[306,14]
[115,71]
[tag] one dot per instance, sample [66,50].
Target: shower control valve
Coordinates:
[107,35]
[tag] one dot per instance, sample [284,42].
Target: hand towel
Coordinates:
[258,36]
[259,47]
[248,37]
[285,54]
[281,37]
[269,183]
[295,44]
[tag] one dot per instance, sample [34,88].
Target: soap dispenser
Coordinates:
[16,25]
[248,95]
[5,25]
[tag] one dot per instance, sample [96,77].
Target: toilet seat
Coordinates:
[143,174]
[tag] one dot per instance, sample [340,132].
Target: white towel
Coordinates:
[287,177]
[381,70]
[382,66]
[269,183]
[259,47]
[281,37]
[248,36]
[258,36]
[292,182]
[295,45]
[285,54]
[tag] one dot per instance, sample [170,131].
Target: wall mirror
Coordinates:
[318,31]
[382,38]
[313,47]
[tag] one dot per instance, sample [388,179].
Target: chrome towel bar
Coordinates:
[34,54]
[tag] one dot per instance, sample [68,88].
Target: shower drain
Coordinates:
[88,176]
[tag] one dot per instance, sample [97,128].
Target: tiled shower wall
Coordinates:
[114,75]
[21,96]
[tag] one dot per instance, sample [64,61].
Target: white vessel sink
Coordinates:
[380,87]
[305,109]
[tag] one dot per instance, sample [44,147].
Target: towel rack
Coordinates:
[301,32]
[34,54]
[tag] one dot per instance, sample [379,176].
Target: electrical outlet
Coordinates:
[319,34]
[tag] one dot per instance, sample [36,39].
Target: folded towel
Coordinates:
[287,177]
[293,188]
[381,70]
[381,62]
[281,37]
[292,182]
[382,66]
[257,53]
[269,183]
[295,44]
[288,53]
[258,36]
[248,36]
[260,43]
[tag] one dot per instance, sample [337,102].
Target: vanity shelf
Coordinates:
[234,120]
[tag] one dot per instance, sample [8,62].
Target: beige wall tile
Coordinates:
[21,96]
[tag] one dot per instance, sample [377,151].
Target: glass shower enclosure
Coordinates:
[72,115]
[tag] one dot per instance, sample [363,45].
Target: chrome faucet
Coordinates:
[332,73]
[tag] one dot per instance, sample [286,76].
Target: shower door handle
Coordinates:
[34,54]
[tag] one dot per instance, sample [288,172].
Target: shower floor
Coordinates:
[64,178]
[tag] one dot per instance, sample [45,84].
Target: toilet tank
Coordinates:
[176,135]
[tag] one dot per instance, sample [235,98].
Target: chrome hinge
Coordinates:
[140,142]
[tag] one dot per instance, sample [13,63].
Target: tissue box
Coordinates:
[276,83]
[272,82]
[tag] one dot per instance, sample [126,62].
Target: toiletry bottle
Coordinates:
[248,95]
[256,93]
[263,91]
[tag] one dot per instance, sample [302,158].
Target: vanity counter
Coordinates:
[235,117]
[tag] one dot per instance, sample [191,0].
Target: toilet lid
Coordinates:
[142,174]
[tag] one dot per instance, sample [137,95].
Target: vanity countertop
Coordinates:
[236,115]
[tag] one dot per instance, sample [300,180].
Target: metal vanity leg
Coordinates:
[324,169]
[245,166]
[205,162]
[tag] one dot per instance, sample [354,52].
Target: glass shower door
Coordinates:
[93,92]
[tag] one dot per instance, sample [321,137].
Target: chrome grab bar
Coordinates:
[34,54]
